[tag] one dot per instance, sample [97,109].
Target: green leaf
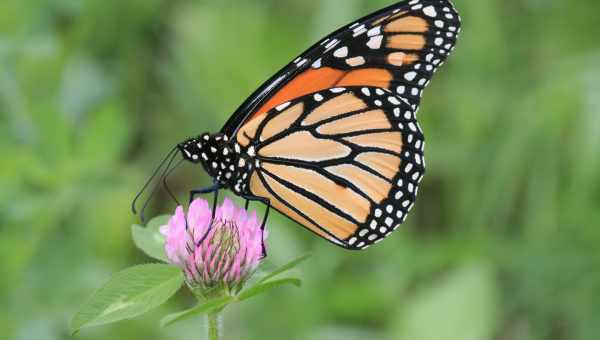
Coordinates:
[285,267]
[206,307]
[129,293]
[265,286]
[149,239]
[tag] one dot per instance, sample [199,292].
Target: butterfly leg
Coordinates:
[213,188]
[264,221]
[262,228]
[266,201]
[215,200]
[214,211]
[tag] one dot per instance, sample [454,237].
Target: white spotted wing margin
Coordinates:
[412,40]
[345,163]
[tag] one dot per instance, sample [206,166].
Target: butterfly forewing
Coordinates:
[398,48]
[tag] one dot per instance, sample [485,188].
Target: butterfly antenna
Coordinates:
[160,165]
[166,169]
[167,174]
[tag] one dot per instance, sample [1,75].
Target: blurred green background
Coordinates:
[504,241]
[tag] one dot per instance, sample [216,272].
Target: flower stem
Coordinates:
[215,322]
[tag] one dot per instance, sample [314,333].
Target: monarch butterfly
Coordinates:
[332,140]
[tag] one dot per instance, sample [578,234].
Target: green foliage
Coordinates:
[265,286]
[93,93]
[129,293]
[211,305]
[149,239]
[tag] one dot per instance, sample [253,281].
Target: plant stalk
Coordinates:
[215,324]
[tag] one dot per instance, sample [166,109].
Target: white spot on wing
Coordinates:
[374,31]
[317,63]
[331,44]
[341,52]
[283,106]
[375,42]
[430,11]
[356,61]
[410,76]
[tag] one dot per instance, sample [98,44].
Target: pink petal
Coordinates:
[176,237]
[177,221]
[227,209]
[199,216]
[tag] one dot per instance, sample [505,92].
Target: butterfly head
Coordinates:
[213,151]
[192,149]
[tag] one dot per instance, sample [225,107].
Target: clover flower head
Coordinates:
[223,252]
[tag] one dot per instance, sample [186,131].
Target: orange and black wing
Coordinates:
[397,48]
[339,147]
[343,162]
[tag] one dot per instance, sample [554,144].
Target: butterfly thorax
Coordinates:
[224,160]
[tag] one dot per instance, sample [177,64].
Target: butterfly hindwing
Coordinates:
[343,162]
